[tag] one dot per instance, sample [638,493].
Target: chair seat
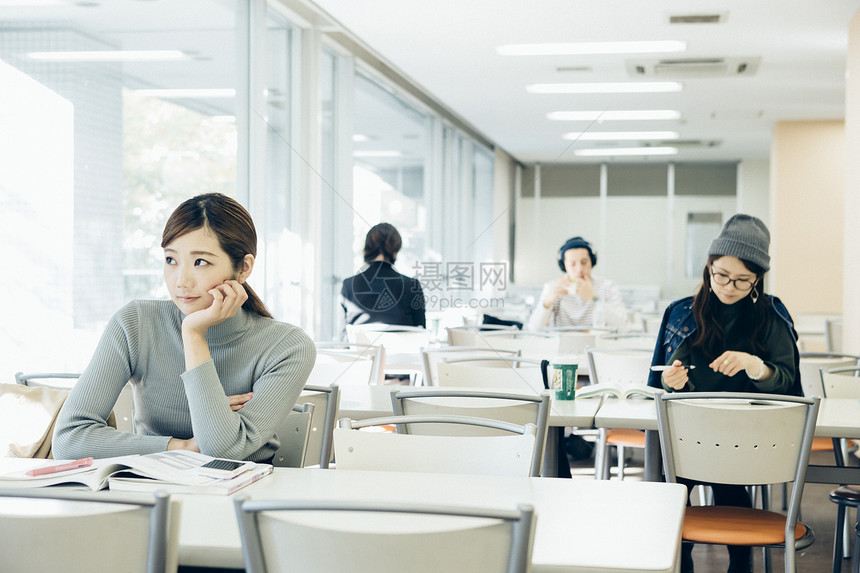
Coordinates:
[629,438]
[846,494]
[822,444]
[727,525]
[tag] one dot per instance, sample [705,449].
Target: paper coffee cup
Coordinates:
[564,377]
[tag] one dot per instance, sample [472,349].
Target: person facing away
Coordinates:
[210,369]
[737,338]
[379,293]
[577,298]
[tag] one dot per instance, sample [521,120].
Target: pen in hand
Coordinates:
[77,464]
[662,368]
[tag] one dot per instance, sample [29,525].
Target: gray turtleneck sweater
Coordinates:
[142,344]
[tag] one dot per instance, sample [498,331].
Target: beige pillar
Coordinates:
[851,264]
[807,187]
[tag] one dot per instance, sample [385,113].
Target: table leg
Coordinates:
[551,451]
[652,456]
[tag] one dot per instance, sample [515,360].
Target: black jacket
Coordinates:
[381,294]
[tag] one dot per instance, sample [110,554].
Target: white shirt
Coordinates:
[573,310]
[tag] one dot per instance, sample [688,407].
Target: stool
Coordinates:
[845,496]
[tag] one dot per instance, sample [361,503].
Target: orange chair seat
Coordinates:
[727,525]
[822,444]
[629,438]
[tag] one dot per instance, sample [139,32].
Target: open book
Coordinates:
[629,392]
[172,471]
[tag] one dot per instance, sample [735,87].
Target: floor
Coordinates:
[817,511]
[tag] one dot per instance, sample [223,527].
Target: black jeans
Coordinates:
[740,556]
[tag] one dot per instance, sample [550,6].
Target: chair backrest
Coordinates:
[737,438]
[466,335]
[644,340]
[811,364]
[347,364]
[510,454]
[326,400]
[430,357]
[833,334]
[293,432]
[123,409]
[841,382]
[509,373]
[48,530]
[513,408]
[530,344]
[394,339]
[574,342]
[64,380]
[619,367]
[318,537]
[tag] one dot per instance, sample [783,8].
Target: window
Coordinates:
[97,153]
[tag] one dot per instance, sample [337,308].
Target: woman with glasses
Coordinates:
[729,337]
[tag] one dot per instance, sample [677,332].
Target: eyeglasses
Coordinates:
[724,280]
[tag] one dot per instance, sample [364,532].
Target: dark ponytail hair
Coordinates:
[710,334]
[232,226]
[382,239]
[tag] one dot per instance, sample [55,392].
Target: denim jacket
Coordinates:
[679,323]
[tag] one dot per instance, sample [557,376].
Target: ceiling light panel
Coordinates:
[110,56]
[626,151]
[201,93]
[616,115]
[621,135]
[605,88]
[591,48]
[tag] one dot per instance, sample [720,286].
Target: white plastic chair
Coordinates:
[467,335]
[59,530]
[395,339]
[430,357]
[496,372]
[513,408]
[811,364]
[627,340]
[843,382]
[320,537]
[833,334]
[293,432]
[326,400]
[504,455]
[619,368]
[743,439]
[530,344]
[123,408]
[347,364]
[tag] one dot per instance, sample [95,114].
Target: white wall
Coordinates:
[644,236]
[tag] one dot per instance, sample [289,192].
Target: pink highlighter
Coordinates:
[77,464]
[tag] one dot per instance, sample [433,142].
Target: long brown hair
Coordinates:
[710,335]
[230,223]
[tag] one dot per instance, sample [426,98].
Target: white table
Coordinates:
[579,522]
[363,402]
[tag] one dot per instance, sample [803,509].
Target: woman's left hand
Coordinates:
[237,401]
[731,362]
[227,299]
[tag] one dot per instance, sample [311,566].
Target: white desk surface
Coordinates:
[363,402]
[579,522]
[837,417]
[627,414]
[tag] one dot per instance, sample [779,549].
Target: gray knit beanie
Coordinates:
[744,237]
